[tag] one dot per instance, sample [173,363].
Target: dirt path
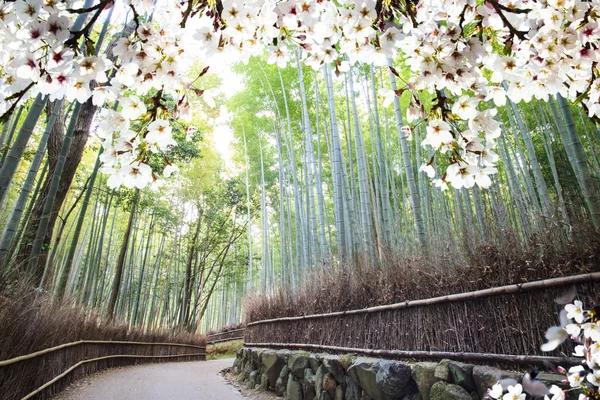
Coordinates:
[177,381]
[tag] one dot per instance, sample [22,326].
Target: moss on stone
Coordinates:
[347,359]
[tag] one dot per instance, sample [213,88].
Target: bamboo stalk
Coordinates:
[507,289]
[63,346]
[49,383]
[437,355]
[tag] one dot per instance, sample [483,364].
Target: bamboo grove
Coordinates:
[326,175]
[342,180]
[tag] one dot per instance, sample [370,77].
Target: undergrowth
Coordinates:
[395,277]
[223,350]
[31,322]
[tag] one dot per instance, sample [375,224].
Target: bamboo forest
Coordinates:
[293,167]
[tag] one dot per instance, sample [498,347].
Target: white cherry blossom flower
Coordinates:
[576,375]
[136,175]
[438,133]
[278,55]
[170,170]
[575,311]
[102,94]
[496,391]
[465,107]
[159,133]
[593,379]
[482,177]
[555,336]
[125,74]
[78,89]
[132,107]
[591,330]
[556,392]
[428,169]
[515,393]
[388,96]
[208,96]
[461,175]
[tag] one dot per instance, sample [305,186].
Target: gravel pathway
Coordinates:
[177,381]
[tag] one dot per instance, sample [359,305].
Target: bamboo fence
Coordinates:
[501,324]
[43,373]
[237,334]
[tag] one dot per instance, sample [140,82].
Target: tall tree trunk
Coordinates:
[547,139]
[48,213]
[79,131]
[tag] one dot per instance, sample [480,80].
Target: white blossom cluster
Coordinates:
[583,381]
[154,65]
[548,47]
[459,50]
[33,53]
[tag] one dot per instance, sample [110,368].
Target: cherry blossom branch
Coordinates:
[157,104]
[18,96]
[589,87]
[136,16]
[522,35]
[462,17]
[72,42]
[186,13]
[513,10]
[89,9]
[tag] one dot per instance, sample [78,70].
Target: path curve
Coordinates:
[199,380]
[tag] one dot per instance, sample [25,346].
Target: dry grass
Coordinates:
[223,350]
[398,278]
[29,323]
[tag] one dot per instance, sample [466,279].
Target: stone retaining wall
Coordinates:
[299,375]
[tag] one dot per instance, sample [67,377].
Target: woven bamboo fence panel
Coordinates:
[508,320]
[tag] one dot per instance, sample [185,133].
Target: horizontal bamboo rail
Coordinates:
[435,355]
[515,288]
[49,383]
[62,346]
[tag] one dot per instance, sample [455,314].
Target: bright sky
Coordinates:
[223,133]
